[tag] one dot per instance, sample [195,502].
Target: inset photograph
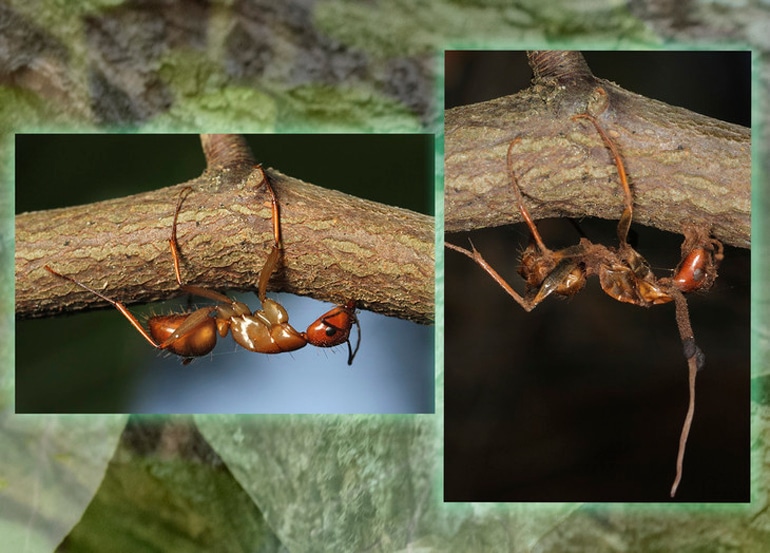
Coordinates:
[224,273]
[597,262]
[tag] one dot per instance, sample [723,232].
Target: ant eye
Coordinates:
[331,331]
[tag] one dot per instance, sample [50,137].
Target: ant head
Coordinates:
[333,328]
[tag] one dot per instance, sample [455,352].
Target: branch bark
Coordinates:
[336,246]
[683,167]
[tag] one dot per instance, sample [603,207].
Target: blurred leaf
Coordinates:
[50,468]
[364,483]
[370,483]
[336,483]
[167,490]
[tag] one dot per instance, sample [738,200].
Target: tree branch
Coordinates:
[336,246]
[683,167]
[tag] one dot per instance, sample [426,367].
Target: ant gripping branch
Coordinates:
[266,330]
[623,273]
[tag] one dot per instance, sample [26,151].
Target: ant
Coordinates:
[266,330]
[623,273]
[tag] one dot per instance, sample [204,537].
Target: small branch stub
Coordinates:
[561,66]
[226,151]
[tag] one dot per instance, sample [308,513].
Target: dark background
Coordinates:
[96,362]
[584,399]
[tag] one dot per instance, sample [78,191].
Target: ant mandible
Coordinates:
[623,273]
[266,330]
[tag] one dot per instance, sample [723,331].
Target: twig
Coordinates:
[336,246]
[684,167]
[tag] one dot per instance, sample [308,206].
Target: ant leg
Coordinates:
[276,217]
[267,270]
[172,241]
[174,245]
[118,305]
[625,220]
[275,254]
[481,262]
[520,200]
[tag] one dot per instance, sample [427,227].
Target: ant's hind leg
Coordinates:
[481,262]
[116,304]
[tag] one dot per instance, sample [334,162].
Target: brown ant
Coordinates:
[623,273]
[266,330]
